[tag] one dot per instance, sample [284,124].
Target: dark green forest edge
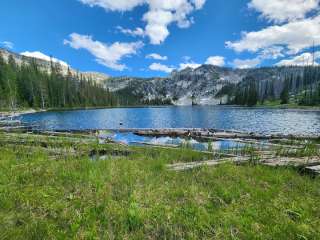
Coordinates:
[27,86]
[296,90]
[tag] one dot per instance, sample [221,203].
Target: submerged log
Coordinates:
[313,169]
[213,134]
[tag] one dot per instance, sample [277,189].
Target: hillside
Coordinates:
[45,65]
[205,85]
[34,83]
[213,85]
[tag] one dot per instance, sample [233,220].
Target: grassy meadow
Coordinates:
[54,187]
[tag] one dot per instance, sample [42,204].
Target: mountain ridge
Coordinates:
[204,85]
[46,65]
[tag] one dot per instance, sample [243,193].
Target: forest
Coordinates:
[301,89]
[28,86]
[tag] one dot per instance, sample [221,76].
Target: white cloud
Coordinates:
[114,5]
[246,63]
[213,60]
[300,60]
[216,60]
[157,56]
[40,55]
[296,36]
[192,65]
[7,44]
[157,25]
[161,67]
[273,52]
[199,3]
[138,32]
[107,55]
[160,15]
[283,10]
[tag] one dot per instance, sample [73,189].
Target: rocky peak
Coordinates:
[45,65]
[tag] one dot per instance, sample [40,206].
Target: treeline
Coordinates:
[27,86]
[310,94]
[302,89]
[128,97]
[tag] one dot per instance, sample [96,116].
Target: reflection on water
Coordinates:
[260,120]
[133,139]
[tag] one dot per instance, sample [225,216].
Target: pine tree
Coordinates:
[252,98]
[284,97]
[28,86]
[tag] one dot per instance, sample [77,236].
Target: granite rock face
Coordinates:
[202,85]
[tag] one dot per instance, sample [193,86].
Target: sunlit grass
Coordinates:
[71,196]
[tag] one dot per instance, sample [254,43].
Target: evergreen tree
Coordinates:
[284,96]
[28,86]
[252,97]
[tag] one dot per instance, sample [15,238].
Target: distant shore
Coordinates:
[18,112]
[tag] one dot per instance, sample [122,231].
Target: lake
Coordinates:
[259,120]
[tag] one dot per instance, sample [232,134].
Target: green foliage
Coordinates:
[26,86]
[285,93]
[228,89]
[247,95]
[130,198]
[64,194]
[300,87]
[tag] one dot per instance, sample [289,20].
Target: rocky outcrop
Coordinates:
[46,65]
[203,85]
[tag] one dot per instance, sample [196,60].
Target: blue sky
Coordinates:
[153,37]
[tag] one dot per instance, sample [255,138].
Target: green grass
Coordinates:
[60,196]
[310,149]
[291,105]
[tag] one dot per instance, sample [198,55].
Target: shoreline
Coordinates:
[18,112]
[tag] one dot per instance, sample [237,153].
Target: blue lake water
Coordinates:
[133,139]
[259,120]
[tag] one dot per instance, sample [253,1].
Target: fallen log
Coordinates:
[214,134]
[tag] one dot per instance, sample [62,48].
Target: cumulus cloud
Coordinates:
[192,65]
[40,55]
[299,30]
[303,59]
[216,60]
[212,60]
[7,44]
[157,25]
[138,32]
[246,63]
[160,15]
[295,36]
[114,5]
[107,55]
[161,67]
[157,56]
[273,52]
[280,11]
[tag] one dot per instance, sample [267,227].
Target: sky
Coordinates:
[154,37]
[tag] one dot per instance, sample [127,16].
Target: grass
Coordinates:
[309,149]
[291,105]
[64,194]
